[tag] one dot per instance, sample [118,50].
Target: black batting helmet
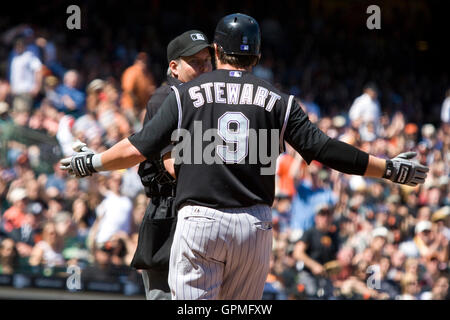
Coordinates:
[238,34]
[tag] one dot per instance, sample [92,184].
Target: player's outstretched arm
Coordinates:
[313,144]
[85,162]
[147,143]
[120,156]
[345,158]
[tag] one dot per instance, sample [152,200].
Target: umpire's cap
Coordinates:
[238,34]
[187,44]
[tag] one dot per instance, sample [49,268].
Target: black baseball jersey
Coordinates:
[155,178]
[229,123]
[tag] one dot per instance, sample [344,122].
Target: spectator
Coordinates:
[387,285]
[101,269]
[74,246]
[288,167]
[71,100]
[4,115]
[346,230]
[281,212]
[71,192]
[82,216]
[445,110]
[26,235]
[114,213]
[56,180]
[48,251]
[131,185]
[87,127]
[15,215]
[95,94]
[355,287]
[50,85]
[5,91]
[441,218]
[410,287]
[8,256]
[110,117]
[379,240]
[423,244]
[316,247]
[119,251]
[344,259]
[395,272]
[312,192]
[366,108]
[439,290]
[274,288]
[138,86]
[25,74]
[432,271]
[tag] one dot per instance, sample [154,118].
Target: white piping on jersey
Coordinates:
[286,118]
[180,111]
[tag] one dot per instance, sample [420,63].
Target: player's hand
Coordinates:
[80,164]
[318,269]
[403,171]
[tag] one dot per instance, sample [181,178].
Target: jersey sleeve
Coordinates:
[152,108]
[156,133]
[303,135]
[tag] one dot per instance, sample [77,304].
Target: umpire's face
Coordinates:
[188,68]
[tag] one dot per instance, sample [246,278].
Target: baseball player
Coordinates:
[188,56]
[223,238]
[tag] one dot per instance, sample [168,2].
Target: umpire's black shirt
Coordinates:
[159,96]
[149,169]
[233,102]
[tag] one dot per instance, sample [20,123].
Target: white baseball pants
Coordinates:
[220,254]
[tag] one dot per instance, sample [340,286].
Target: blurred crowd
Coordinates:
[348,237]
[335,236]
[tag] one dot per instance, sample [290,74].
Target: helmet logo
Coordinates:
[244,46]
[197,36]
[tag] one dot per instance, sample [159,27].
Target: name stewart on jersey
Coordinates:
[233,93]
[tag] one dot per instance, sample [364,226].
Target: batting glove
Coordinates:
[80,164]
[401,170]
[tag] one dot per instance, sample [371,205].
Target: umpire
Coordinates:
[189,56]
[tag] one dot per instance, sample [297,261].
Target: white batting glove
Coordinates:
[80,164]
[401,170]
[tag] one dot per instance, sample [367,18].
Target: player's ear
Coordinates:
[216,50]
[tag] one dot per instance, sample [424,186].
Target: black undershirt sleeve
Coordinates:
[313,144]
[156,133]
[343,157]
